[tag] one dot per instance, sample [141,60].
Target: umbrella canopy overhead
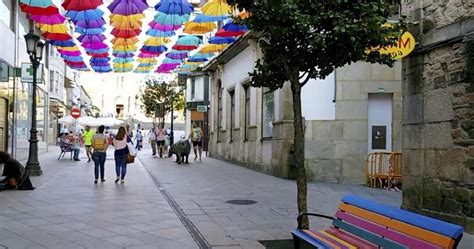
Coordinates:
[128,7]
[81,4]
[199,27]
[46,11]
[85,15]
[37,3]
[175,7]
[216,8]
[52,19]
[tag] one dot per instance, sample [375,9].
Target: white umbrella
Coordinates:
[107,121]
[88,120]
[67,120]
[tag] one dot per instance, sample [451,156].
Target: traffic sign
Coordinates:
[27,73]
[75,112]
[201,108]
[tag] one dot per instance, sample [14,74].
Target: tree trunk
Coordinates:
[299,150]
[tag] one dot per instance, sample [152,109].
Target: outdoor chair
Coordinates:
[65,148]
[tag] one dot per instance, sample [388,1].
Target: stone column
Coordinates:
[438,116]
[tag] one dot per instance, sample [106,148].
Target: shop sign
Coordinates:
[3,72]
[27,73]
[201,108]
[405,45]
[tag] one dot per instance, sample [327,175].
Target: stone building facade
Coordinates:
[438,116]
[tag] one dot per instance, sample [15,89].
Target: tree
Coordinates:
[158,96]
[305,39]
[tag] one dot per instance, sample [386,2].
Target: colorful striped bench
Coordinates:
[362,223]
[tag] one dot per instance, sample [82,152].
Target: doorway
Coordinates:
[380,122]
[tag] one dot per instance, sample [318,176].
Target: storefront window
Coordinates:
[267,112]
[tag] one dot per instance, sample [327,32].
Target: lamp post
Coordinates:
[34,47]
[172,121]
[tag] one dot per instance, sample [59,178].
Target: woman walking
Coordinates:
[121,153]
[99,144]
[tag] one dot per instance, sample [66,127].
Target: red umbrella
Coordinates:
[119,33]
[57,36]
[49,11]
[184,47]
[81,4]
[223,33]
[74,63]
[103,55]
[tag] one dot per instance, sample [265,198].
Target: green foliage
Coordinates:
[158,96]
[304,39]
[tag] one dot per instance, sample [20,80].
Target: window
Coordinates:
[232,114]
[51,81]
[267,112]
[219,111]
[193,88]
[246,112]
[56,83]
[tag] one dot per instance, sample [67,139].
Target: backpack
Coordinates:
[99,144]
[197,135]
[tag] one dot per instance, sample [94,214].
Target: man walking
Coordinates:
[196,137]
[152,140]
[88,135]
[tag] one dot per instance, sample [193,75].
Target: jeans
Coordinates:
[138,145]
[121,165]
[99,161]
[75,152]
[153,146]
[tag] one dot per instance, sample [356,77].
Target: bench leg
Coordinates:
[60,154]
[296,242]
[71,155]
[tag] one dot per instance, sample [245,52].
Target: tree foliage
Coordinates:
[158,97]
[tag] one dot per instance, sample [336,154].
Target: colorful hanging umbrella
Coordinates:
[154,49]
[48,11]
[81,4]
[97,45]
[216,8]
[199,28]
[192,59]
[174,7]
[98,55]
[146,60]
[68,43]
[122,60]
[221,40]
[161,27]
[85,15]
[90,24]
[87,31]
[53,19]
[123,55]
[104,69]
[156,41]
[159,33]
[204,18]
[184,47]
[57,36]
[55,28]
[165,19]
[91,38]
[128,7]
[72,58]
[126,22]
[37,3]
[125,33]
[238,29]
[75,48]
[129,48]
[172,61]
[173,54]
[125,41]
[146,55]
[212,48]
[189,40]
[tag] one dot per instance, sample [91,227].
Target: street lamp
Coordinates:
[34,47]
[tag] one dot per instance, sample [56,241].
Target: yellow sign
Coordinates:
[405,44]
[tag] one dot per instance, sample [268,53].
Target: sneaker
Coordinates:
[122,182]
[102,180]
[95,182]
[117,180]
[77,159]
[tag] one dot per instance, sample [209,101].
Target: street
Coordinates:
[67,210]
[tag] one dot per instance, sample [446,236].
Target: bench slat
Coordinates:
[359,243]
[441,227]
[366,235]
[399,226]
[310,240]
[326,240]
[382,231]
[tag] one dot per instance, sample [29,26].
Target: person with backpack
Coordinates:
[100,145]
[196,137]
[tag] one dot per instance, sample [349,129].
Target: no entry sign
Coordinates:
[75,112]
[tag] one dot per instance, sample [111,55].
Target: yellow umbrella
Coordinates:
[156,41]
[132,18]
[75,48]
[125,48]
[216,8]
[128,65]
[212,48]
[126,22]
[199,28]
[146,68]
[125,41]
[146,60]
[55,28]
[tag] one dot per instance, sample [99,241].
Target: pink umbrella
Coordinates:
[50,20]
[98,45]
[161,27]
[70,53]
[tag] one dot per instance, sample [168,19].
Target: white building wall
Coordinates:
[317,99]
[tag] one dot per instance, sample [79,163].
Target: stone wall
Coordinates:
[438,117]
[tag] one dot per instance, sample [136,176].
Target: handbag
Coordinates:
[130,158]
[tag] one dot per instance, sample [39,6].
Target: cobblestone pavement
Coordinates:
[162,205]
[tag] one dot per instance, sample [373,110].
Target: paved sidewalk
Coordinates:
[67,210]
[202,188]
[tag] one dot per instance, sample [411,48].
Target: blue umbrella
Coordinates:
[174,7]
[94,31]
[221,40]
[99,60]
[235,27]
[154,49]
[123,60]
[159,33]
[202,18]
[165,19]
[191,59]
[123,55]
[97,51]
[85,15]
[68,43]
[172,61]
[37,3]
[72,58]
